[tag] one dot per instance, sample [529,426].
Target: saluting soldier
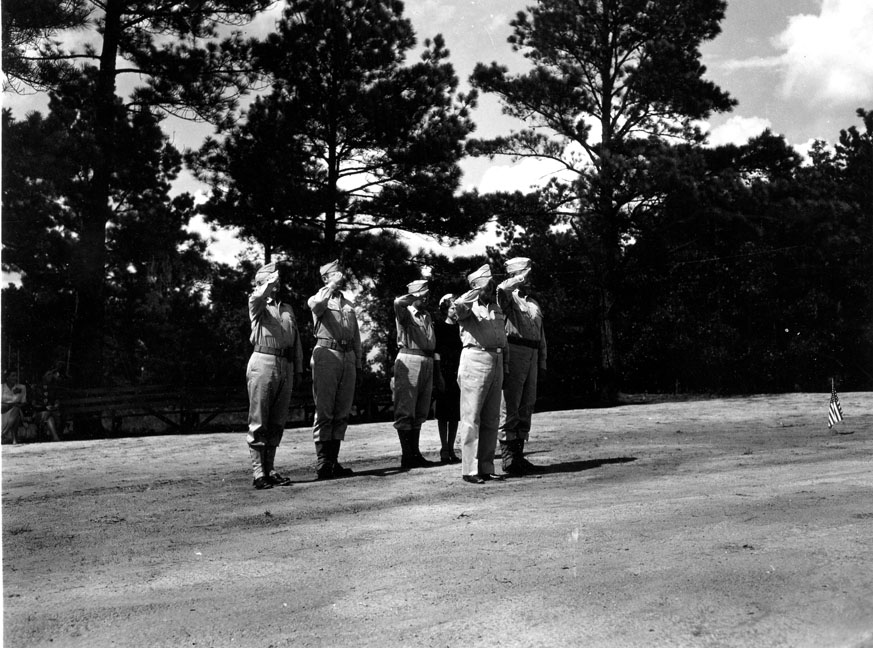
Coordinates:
[275,365]
[413,371]
[480,375]
[335,362]
[527,360]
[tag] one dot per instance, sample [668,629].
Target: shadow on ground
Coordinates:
[579,466]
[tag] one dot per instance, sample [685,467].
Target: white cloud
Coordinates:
[265,22]
[418,242]
[829,57]
[826,58]
[224,244]
[805,149]
[738,130]
[434,14]
[523,175]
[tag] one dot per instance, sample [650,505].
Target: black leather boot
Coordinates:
[405,456]
[323,463]
[418,459]
[526,465]
[509,455]
[338,469]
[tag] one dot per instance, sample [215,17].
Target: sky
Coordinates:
[798,67]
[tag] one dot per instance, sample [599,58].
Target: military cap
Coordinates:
[264,273]
[328,268]
[518,264]
[480,277]
[417,287]
[447,298]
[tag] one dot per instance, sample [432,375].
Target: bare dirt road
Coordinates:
[731,522]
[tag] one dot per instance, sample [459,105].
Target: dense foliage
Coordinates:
[733,269]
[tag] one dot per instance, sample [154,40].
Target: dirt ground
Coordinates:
[731,522]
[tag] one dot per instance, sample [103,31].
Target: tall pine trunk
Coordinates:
[90,275]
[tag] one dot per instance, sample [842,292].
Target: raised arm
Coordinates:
[260,295]
[505,288]
[318,302]
[401,308]
[464,303]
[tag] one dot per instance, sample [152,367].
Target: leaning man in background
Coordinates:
[527,360]
[335,362]
[275,365]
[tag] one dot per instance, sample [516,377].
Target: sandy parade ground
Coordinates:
[723,522]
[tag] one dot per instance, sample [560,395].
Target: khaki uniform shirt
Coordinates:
[481,324]
[334,318]
[274,326]
[524,317]
[414,327]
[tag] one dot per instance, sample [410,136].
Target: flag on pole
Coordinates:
[835,410]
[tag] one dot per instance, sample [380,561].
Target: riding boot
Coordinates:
[418,459]
[323,462]
[338,469]
[505,455]
[405,455]
[527,465]
[509,456]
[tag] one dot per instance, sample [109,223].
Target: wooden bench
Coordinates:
[192,409]
[182,410]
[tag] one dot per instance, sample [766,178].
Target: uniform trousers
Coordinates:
[333,390]
[519,394]
[413,384]
[270,381]
[480,377]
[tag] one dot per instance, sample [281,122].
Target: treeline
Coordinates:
[662,265]
[753,275]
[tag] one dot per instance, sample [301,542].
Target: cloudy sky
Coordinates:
[798,67]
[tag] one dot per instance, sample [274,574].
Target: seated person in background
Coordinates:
[48,404]
[14,400]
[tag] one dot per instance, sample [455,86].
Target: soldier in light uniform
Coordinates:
[480,376]
[275,365]
[413,371]
[335,362]
[527,359]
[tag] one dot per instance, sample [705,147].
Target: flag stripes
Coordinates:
[835,410]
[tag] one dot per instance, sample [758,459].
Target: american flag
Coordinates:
[835,410]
